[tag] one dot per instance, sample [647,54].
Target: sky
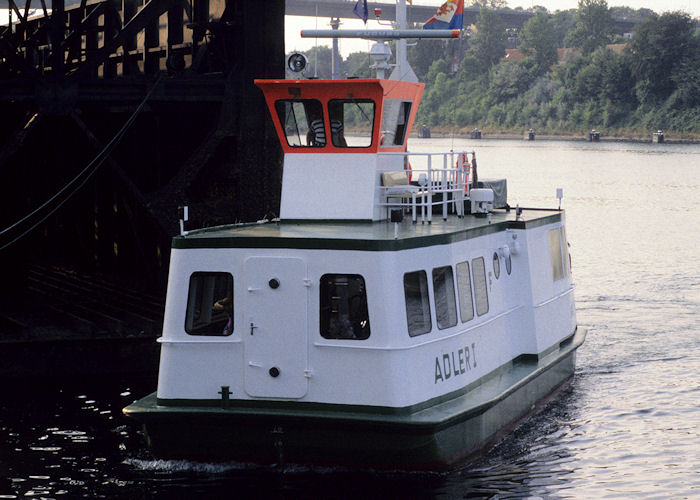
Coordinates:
[294,24]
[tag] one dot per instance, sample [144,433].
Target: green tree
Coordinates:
[489,43]
[616,80]
[536,9]
[508,81]
[357,65]
[687,80]
[423,53]
[538,40]
[660,53]
[319,62]
[563,22]
[593,26]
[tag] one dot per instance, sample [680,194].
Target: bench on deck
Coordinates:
[396,185]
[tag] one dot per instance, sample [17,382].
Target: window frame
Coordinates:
[303,140]
[462,295]
[450,302]
[209,297]
[556,255]
[399,129]
[425,299]
[373,116]
[325,303]
[477,286]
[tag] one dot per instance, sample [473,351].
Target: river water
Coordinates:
[627,426]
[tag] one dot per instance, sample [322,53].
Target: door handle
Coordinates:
[252,327]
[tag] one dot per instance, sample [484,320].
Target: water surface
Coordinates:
[627,426]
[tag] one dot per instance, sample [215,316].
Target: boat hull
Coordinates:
[440,437]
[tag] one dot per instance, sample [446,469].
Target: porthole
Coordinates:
[509,265]
[496,265]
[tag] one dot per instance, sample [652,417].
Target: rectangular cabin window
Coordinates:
[352,122]
[556,254]
[344,307]
[565,251]
[480,294]
[210,304]
[464,285]
[302,122]
[444,292]
[415,288]
[394,122]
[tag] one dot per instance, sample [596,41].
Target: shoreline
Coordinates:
[560,137]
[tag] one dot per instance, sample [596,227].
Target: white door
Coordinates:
[275,330]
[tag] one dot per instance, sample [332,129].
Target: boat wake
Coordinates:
[217,468]
[186,466]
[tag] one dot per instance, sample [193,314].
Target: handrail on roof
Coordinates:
[451,183]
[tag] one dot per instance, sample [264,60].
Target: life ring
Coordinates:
[410,172]
[463,163]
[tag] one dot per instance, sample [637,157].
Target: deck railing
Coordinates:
[430,179]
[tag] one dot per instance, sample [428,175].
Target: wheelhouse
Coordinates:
[342,116]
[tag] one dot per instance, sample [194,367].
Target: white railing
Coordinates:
[425,176]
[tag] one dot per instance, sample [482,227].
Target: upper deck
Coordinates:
[366,236]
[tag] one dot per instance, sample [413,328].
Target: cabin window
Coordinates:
[480,294]
[565,251]
[394,122]
[556,254]
[415,288]
[352,122]
[464,285]
[344,307]
[444,293]
[302,122]
[210,304]
[496,265]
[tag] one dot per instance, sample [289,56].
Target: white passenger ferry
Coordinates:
[399,314]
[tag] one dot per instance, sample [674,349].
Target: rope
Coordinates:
[76,183]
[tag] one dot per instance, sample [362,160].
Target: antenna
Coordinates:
[316,54]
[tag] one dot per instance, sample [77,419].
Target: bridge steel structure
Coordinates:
[418,14]
[72,74]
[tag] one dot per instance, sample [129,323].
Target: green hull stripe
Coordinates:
[232,239]
[522,370]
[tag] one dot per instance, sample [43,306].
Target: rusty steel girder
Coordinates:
[109,38]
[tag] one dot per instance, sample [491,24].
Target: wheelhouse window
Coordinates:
[302,122]
[480,294]
[415,287]
[344,307]
[444,291]
[464,285]
[210,304]
[394,122]
[351,122]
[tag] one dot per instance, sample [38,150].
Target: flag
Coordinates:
[448,17]
[361,10]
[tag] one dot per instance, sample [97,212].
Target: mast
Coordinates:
[403,70]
